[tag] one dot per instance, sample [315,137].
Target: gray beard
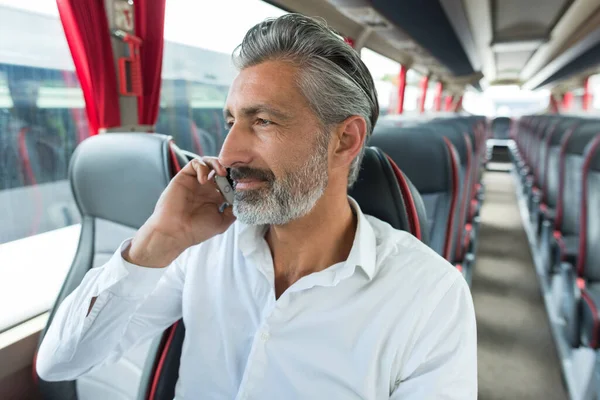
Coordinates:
[287,198]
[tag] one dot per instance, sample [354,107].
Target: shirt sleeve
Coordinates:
[443,362]
[133,304]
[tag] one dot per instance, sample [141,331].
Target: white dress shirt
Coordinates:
[394,321]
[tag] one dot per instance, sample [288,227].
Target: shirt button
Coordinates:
[264,336]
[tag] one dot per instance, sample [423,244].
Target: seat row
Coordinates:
[444,159]
[558,164]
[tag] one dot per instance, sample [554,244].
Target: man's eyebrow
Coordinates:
[253,110]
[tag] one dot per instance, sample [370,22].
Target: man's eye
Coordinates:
[263,122]
[228,125]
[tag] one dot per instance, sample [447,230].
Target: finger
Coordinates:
[202,170]
[211,174]
[214,163]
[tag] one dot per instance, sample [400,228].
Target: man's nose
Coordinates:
[237,147]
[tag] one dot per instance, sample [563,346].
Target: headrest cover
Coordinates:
[560,129]
[452,132]
[377,192]
[120,176]
[423,157]
[582,135]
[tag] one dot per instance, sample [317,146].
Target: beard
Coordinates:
[281,200]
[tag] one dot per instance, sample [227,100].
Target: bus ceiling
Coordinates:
[473,43]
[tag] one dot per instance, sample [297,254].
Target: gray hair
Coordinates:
[334,79]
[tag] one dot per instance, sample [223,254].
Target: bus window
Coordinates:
[430,97]
[385,74]
[42,120]
[197,68]
[505,101]
[413,92]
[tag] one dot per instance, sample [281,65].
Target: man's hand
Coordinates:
[187,213]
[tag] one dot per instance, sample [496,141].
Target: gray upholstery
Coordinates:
[543,150]
[454,133]
[553,178]
[426,161]
[116,181]
[572,195]
[551,167]
[592,254]
[574,148]
[137,170]
[501,127]
[435,218]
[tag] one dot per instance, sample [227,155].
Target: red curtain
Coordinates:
[86,29]
[149,26]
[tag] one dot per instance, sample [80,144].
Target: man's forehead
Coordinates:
[270,83]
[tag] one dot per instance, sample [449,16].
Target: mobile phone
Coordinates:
[225,185]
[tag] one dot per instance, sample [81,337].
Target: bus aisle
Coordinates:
[516,354]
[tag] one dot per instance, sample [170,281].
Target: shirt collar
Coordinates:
[363,253]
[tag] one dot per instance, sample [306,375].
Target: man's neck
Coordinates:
[312,243]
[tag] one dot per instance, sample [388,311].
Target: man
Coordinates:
[303,297]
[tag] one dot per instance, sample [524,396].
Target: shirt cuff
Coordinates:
[130,280]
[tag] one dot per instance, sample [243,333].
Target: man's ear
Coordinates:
[350,136]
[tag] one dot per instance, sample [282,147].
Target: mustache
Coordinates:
[251,173]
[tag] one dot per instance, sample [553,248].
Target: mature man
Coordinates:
[303,297]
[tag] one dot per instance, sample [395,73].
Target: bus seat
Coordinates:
[466,226]
[398,204]
[551,187]
[391,204]
[581,277]
[432,166]
[545,207]
[501,128]
[116,181]
[566,224]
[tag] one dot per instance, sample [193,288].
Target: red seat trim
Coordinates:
[157,373]
[413,216]
[455,190]
[466,201]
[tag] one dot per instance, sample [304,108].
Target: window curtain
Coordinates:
[86,29]
[149,26]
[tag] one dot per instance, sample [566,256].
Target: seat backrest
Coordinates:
[569,201]
[432,165]
[541,149]
[588,260]
[116,181]
[462,143]
[501,127]
[381,190]
[552,176]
